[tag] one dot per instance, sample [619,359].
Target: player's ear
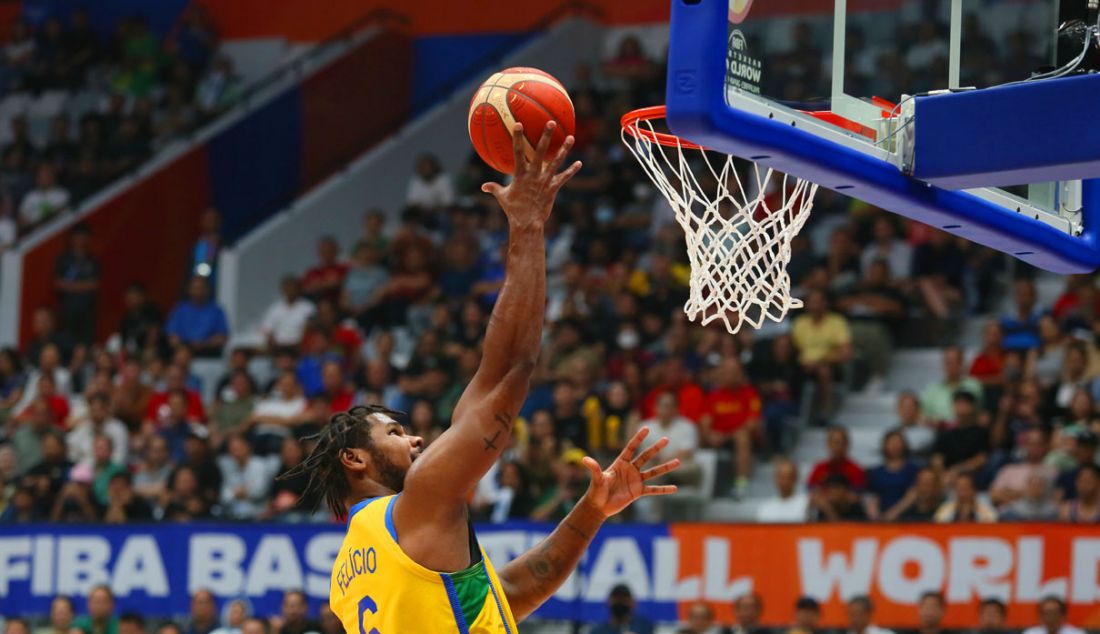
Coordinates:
[354,459]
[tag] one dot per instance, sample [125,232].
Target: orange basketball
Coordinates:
[525,95]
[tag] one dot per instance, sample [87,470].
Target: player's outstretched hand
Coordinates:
[528,199]
[615,488]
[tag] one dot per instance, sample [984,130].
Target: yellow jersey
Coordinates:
[377,589]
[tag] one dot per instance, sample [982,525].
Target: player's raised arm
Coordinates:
[440,481]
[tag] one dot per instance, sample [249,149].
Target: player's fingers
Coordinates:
[662,489]
[648,454]
[563,152]
[564,177]
[492,188]
[594,467]
[632,447]
[519,141]
[544,142]
[659,470]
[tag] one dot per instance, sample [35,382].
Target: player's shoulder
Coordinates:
[370,510]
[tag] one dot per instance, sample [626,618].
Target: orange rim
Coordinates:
[631,120]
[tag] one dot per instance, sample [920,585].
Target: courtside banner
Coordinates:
[154,569]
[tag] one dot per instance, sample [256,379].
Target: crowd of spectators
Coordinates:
[930,612]
[123,96]
[120,432]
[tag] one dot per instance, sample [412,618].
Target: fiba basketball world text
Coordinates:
[665,565]
[743,70]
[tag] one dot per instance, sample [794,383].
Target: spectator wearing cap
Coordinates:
[860,612]
[284,323]
[1013,480]
[76,282]
[992,613]
[807,613]
[930,612]
[1052,618]
[836,501]
[937,399]
[700,620]
[824,343]
[1084,453]
[558,500]
[965,446]
[1085,508]
[623,617]
[838,462]
[747,609]
[966,505]
[198,322]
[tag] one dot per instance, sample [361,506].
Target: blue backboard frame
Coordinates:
[795,143]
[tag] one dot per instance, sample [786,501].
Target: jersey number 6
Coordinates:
[367,604]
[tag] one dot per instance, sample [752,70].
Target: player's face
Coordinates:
[392,452]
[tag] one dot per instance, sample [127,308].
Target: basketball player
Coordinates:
[410,562]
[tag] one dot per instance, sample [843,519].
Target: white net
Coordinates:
[738,218]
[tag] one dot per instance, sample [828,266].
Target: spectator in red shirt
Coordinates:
[157,412]
[988,366]
[732,416]
[326,278]
[47,394]
[678,380]
[838,462]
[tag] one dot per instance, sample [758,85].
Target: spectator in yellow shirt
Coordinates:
[824,342]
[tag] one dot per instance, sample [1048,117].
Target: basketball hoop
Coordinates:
[738,219]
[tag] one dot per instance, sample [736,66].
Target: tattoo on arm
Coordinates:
[505,421]
[490,443]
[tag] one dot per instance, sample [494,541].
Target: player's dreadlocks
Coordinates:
[346,430]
